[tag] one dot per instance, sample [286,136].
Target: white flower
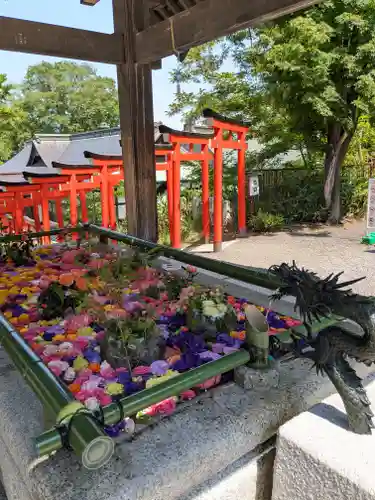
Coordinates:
[69,375]
[92,404]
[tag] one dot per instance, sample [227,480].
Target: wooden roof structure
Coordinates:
[145,31]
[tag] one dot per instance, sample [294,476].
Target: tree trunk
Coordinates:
[338,143]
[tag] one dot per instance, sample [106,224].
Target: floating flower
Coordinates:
[66,279]
[211,382]
[187,395]
[114,389]
[69,375]
[106,371]
[92,404]
[80,363]
[142,370]
[159,367]
[74,388]
[85,331]
[151,382]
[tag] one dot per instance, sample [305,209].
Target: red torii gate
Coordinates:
[178,138]
[116,161]
[236,139]
[100,176]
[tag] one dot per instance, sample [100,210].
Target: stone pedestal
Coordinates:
[208,450]
[318,458]
[256,380]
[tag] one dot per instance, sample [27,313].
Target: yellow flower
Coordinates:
[58,338]
[80,363]
[109,307]
[85,331]
[114,389]
[23,318]
[151,382]
[3,296]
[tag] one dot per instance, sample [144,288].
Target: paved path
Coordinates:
[324,250]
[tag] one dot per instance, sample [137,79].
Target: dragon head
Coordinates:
[315,297]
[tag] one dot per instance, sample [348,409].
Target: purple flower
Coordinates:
[226,339]
[159,367]
[132,387]
[124,378]
[92,356]
[229,350]
[188,360]
[209,355]
[218,347]
[56,329]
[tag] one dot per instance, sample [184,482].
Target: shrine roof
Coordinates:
[38,154]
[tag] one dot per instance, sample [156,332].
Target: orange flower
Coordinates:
[242,335]
[71,337]
[66,279]
[74,388]
[77,273]
[81,284]
[173,359]
[94,367]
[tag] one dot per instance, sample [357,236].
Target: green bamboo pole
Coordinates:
[40,234]
[252,275]
[51,440]
[86,438]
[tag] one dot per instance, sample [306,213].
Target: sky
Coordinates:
[72,14]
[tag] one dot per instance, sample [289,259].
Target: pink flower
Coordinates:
[105,400]
[75,322]
[69,256]
[166,407]
[106,371]
[187,395]
[151,411]
[211,382]
[141,370]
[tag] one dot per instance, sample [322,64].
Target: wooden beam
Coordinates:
[137,122]
[208,20]
[18,35]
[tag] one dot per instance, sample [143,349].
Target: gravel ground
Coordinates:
[323,250]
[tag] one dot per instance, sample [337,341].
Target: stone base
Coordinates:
[206,451]
[319,458]
[256,380]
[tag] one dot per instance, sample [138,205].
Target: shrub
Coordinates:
[264,222]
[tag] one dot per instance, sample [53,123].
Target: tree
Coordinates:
[66,97]
[12,121]
[313,73]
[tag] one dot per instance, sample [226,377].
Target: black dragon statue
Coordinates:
[319,298]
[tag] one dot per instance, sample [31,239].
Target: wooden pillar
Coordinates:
[104,188]
[45,215]
[73,203]
[176,168]
[82,199]
[205,195]
[111,206]
[218,193]
[170,188]
[59,213]
[36,216]
[137,121]
[241,187]
[18,218]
